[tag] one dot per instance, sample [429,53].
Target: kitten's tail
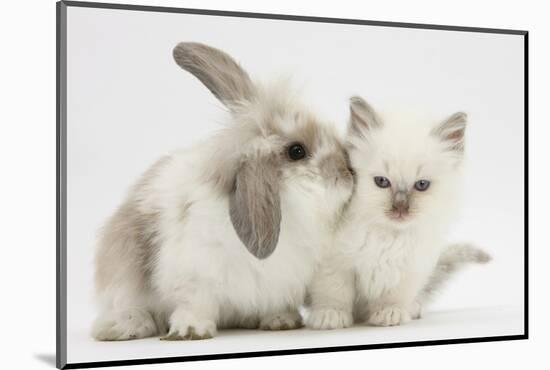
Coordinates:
[452,259]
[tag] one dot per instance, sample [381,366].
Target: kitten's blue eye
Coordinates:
[422,185]
[382,182]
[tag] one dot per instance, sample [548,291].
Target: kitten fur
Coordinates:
[228,232]
[453,258]
[388,256]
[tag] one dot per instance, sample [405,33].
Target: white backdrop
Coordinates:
[28,157]
[129,103]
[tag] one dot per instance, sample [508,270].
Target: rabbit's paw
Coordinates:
[416,310]
[329,318]
[390,316]
[282,321]
[184,326]
[124,325]
[251,322]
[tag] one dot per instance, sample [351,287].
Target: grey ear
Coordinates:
[452,130]
[254,205]
[362,117]
[216,70]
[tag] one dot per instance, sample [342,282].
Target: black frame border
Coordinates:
[61,184]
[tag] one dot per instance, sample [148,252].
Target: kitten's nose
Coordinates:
[400,202]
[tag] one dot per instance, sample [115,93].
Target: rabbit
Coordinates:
[227,233]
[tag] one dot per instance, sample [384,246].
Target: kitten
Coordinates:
[389,254]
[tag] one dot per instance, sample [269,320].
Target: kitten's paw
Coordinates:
[390,316]
[329,319]
[124,325]
[191,329]
[282,321]
[416,311]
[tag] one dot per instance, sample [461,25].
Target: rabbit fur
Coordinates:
[226,233]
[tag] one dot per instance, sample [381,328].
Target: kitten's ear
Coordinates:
[452,130]
[362,117]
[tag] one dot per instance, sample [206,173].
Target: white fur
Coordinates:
[379,265]
[225,282]
[203,276]
[175,254]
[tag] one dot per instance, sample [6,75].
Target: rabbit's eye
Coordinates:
[296,152]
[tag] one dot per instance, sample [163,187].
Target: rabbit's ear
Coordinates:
[216,70]
[255,206]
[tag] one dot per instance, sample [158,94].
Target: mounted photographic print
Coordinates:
[239,184]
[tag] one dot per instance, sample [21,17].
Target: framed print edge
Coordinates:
[289,17]
[61,176]
[61,187]
[526,185]
[302,351]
